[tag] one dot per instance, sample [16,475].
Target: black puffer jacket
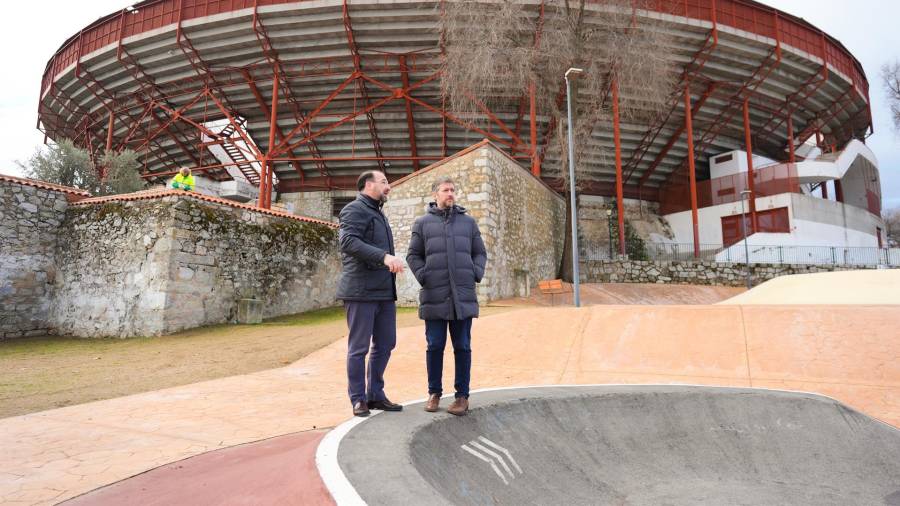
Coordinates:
[365,237]
[447,257]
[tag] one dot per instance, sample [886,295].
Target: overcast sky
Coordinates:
[35,29]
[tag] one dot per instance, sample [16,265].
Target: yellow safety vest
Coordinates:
[184,180]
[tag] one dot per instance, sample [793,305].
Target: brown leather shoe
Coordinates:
[360,408]
[459,407]
[431,405]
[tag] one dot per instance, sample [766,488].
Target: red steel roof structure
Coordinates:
[356,85]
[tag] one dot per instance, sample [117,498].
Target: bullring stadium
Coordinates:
[356,85]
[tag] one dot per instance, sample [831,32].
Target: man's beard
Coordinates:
[383,198]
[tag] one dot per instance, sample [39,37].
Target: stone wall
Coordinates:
[135,267]
[695,273]
[29,220]
[317,205]
[520,218]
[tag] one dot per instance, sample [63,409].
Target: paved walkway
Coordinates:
[851,353]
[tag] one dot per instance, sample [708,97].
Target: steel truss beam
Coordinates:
[694,67]
[410,124]
[361,85]
[747,89]
[271,54]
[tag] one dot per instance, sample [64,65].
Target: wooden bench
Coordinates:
[553,287]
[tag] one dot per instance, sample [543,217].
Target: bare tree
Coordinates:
[493,53]
[890,73]
[892,227]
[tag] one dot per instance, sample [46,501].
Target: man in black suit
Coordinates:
[368,289]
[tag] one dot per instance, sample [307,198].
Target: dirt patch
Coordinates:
[50,372]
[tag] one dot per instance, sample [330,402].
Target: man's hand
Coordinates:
[393,263]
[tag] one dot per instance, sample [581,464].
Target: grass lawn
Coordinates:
[49,372]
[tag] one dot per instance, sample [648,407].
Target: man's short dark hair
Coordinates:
[368,175]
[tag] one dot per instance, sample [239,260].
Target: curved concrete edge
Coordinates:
[344,493]
[340,488]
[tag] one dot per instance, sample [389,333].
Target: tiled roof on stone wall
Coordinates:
[44,185]
[158,193]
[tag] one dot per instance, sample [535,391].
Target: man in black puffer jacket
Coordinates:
[447,257]
[369,292]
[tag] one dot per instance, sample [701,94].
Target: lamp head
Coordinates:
[574,71]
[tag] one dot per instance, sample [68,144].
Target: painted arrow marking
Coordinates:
[487,453]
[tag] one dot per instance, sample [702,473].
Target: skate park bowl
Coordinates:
[621,445]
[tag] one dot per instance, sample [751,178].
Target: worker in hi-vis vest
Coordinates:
[183,180]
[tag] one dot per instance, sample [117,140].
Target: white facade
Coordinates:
[813,221]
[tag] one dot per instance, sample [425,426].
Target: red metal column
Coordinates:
[263,168]
[689,128]
[265,186]
[838,191]
[790,127]
[620,206]
[748,145]
[535,160]
[109,132]
[825,190]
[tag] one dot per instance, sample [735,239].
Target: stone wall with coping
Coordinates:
[155,266]
[30,217]
[520,218]
[695,273]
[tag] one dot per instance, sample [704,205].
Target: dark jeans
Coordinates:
[371,324]
[461,336]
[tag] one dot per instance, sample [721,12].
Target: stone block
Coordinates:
[249,311]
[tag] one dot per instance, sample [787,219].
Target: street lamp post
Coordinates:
[609,226]
[576,282]
[744,233]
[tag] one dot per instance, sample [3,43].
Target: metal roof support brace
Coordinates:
[772,61]
[698,61]
[284,145]
[271,54]
[266,112]
[673,139]
[357,65]
[535,167]
[410,125]
[838,106]
[404,93]
[174,115]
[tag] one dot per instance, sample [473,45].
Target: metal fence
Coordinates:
[759,254]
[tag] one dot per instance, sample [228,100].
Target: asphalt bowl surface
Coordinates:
[635,445]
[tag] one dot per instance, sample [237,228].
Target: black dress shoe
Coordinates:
[360,408]
[385,405]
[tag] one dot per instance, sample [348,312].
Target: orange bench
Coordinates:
[553,287]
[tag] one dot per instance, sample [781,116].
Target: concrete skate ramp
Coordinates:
[626,445]
[859,287]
